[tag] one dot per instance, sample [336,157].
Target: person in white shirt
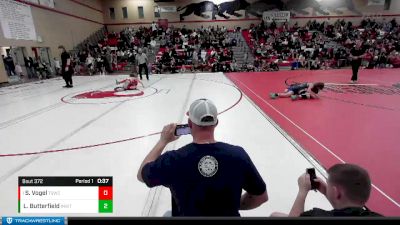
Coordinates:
[203,55]
[18,70]
[154,26]
[57,66]
[152,45]
[141,59]
[89,64]
[234,66]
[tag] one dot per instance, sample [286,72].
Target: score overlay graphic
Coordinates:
[65,195]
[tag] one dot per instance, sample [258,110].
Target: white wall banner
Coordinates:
[278,16]
[47,3]
[167,9]
[16,20]
[33,1]
[376,2]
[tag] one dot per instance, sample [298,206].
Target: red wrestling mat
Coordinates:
[355,124]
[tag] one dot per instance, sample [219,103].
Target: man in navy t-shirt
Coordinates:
[205,177]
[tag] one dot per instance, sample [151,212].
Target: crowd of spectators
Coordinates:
[320,45]
[202,49]
[380,41]
[115,51]
[316,45]
[181,49]
[35,68]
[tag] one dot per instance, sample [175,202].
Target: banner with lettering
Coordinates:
[16,20]
[277,16]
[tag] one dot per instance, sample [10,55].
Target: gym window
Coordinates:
[112,13]
[140,12]
[125,12]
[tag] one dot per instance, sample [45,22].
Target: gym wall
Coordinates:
[304,10]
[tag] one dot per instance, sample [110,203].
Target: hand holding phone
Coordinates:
[314,184]
[182,129]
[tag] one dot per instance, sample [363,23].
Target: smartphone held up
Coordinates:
[182,129]
[313,176]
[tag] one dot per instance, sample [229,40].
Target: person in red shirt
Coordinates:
[130,83]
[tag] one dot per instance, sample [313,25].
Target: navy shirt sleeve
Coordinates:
[253,182]
[316,212]
[307,213]
[159,172]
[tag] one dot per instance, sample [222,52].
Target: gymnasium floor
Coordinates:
[46,130]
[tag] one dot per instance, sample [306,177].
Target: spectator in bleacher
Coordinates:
[154,28]
[394,59]
[82,59]
[315,64]
[100,65]
[90,64]
[348,188]
[205,177]
[114,61]
[153,44]
[234,66]
[274,66]
[29,67]
[108,60]
[9,64]
[18,70]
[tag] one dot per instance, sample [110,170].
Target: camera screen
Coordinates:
[182,131]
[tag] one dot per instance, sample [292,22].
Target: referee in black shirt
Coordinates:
[66,68]
[357,53]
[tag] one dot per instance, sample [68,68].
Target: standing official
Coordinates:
[66,68]
[141,59]
[357,53]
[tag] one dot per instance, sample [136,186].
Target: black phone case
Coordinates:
[311,172]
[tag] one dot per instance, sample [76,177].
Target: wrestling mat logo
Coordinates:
[208,166]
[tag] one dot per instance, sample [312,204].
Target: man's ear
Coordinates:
[337,192]
[190,123]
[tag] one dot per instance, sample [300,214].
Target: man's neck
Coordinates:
[348,205]
[204,139]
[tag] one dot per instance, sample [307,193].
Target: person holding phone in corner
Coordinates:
[347,189]
[205,177]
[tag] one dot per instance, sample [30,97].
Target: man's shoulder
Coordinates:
[219,145]
[230,146]
[317,212]
[233,150]
[355,212]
